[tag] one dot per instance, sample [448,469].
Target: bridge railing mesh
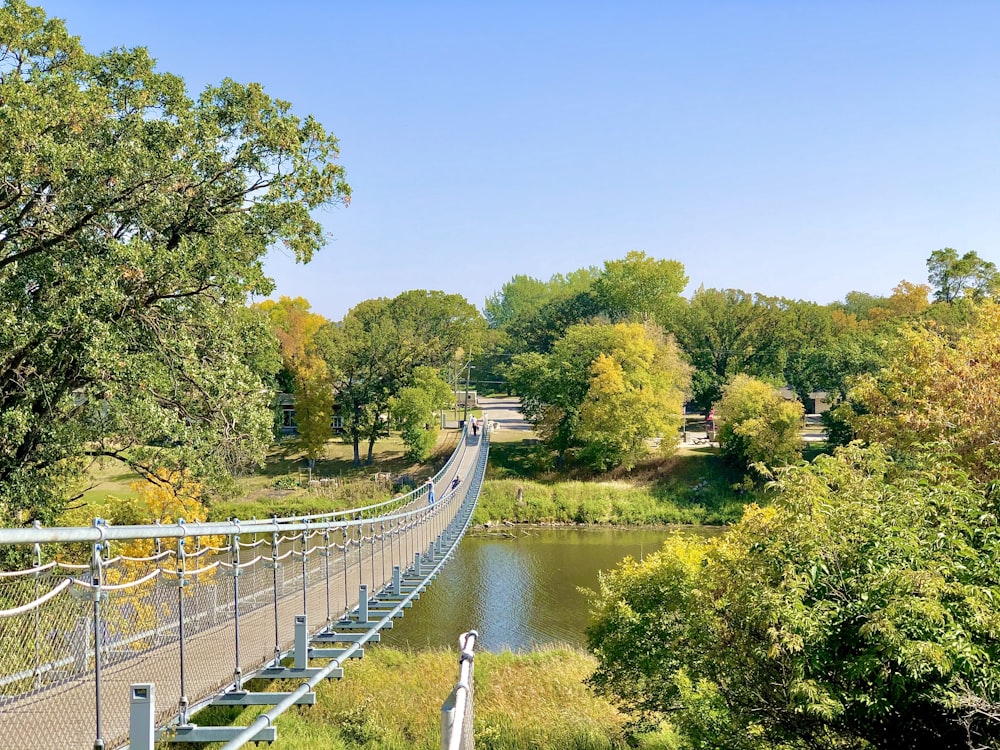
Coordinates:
[79,630]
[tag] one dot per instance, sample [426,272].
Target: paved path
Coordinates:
[505,411]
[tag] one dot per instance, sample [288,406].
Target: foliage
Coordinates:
[605,388]
[640,286]
[636,392]
[413,412]
[857,611]
[375,351]
[708,501]
[523,700]
[296,326]
[133,221]
[938,385]
[726,332]
[968,276]
[758,429]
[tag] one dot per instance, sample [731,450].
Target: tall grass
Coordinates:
[705,501]
[391,700]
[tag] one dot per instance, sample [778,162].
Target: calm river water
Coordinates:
[521,592]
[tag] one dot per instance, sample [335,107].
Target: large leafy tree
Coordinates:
[858,611]
[375,351]
[133,221]
[726,332]
[304,371]
[604,388]
[758,429]
[957,277]
[640,286]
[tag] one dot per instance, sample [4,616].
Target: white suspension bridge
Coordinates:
[120,650]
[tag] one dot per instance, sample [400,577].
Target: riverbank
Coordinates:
[391,700]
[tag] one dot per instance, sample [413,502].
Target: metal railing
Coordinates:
[199,609]
[457,711]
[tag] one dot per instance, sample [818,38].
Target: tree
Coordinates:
[604,388]
[938,386]
[523,296]
[379,345]
[758,429]
[636,392]
[858,611]
[726,332]
[133,221]
[305,371]
[641,286]
[968,276]
[413,411]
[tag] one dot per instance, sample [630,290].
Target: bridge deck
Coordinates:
[62,717]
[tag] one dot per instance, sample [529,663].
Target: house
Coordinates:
[285,405]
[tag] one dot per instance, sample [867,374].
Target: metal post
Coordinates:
[362,603]
[397,581]
[142,717]
[381,539]
[182,704]
[326,556]
[274,580]
[301,642]
[305,565]
[234,558]
[96,578]
[37,674]
[347,606]
[372,556]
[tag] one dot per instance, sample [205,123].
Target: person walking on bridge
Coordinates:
[430,492]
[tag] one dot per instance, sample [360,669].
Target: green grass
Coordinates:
[693,487]
[392,699]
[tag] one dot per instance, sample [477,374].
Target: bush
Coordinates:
[857,611]
[759,430]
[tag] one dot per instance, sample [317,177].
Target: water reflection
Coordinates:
[523,591]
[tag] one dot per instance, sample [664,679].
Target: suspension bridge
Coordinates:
[117,635]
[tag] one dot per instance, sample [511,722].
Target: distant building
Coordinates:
[285,403]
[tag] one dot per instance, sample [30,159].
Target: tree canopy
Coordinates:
[604,388]
[133,221]
[858,611]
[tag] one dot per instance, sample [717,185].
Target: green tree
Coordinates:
[296,326]
[938,386]
[133,221]
[727,332]
[968,276]
[641,286]
[858,611]
[413,411]
[379,345]
[604,388]
[758,429]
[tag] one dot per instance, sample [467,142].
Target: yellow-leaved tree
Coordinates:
[939,386]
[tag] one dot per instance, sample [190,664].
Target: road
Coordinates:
[506,412]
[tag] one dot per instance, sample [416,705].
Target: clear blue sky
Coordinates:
[795,148]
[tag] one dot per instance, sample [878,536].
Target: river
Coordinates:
[524,591]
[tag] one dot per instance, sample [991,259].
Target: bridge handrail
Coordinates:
[457,711]
[402,500]
[103,531]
